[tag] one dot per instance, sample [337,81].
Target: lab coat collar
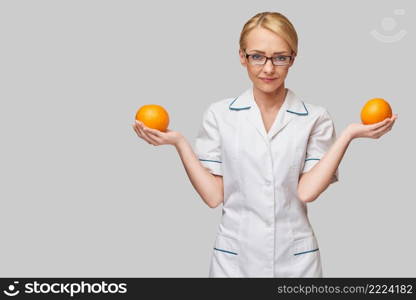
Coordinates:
[291,108]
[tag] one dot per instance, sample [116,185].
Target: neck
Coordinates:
[272,100]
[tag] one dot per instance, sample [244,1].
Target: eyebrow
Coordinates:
[281,52]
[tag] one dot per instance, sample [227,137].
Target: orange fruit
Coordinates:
[375,110]
[153,116]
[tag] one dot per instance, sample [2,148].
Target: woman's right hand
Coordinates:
[157,137]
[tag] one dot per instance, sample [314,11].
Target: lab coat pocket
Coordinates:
[306,256]
[305,245]
[225,256]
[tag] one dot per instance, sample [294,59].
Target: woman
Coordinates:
[264,154]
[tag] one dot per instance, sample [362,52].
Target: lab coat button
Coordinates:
[268,182]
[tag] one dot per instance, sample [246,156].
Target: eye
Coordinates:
[257,57]
[281,58]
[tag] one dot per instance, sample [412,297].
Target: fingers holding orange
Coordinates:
[151,139]
[153,132]
[390,122]
[379,125]
[137,130]
[154,139]
[384,127]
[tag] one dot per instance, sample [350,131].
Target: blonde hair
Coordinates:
[277,23]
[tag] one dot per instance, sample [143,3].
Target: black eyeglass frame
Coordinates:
[267,58]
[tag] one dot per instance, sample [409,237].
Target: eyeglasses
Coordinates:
[259,59]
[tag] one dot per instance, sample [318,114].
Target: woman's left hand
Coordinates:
[373,131]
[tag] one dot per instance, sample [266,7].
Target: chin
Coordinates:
[268,88]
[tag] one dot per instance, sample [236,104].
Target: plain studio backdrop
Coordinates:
[82,195]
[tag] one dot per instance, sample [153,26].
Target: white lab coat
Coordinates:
[264,229]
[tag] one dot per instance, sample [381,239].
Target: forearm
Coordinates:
[314,182]
[202,180]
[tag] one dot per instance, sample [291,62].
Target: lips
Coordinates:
[267,80]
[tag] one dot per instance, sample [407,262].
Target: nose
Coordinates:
[268,66]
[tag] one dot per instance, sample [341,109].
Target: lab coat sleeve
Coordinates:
[208,143]
[322,137]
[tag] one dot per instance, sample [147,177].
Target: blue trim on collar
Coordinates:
[247,107]
[235,108]
[299,114]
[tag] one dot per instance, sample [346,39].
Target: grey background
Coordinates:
[82,195]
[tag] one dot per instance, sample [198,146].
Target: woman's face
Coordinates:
[268,42]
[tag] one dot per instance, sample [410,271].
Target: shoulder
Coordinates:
[315,111]
[318,115]
[219,107]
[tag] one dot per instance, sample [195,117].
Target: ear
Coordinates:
[242,58]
